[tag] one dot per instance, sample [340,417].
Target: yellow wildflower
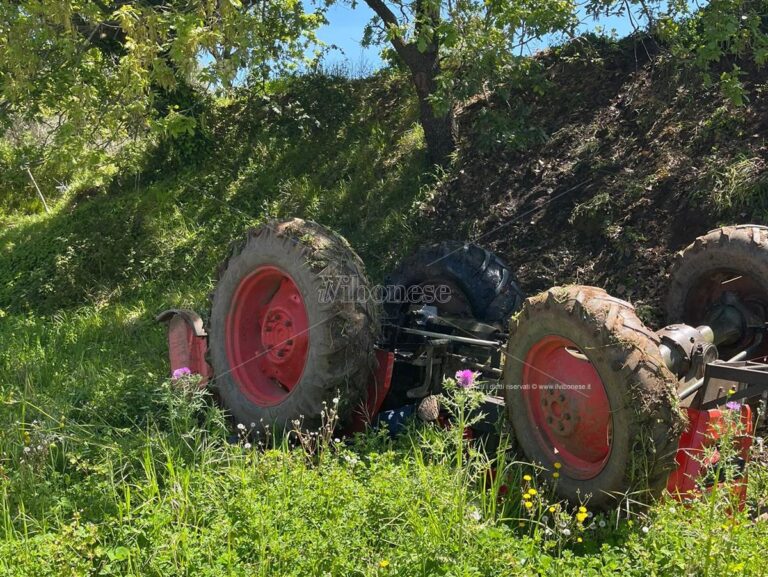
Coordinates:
[384,563]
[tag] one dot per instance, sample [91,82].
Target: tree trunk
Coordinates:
[438,128]
[438,133]
[424,66]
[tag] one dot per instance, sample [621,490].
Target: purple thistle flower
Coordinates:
[733,405]
[465,378]
[181,372]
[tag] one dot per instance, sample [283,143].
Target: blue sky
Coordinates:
[345,29]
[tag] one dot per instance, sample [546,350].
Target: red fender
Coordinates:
[704,430]
[378,388]
[187,342]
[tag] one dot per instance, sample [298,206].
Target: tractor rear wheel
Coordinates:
[589,397]
[282,345]
[482,291]
[482,286]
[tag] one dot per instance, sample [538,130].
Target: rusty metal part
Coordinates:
[190,316]
[458,339]
[686,350]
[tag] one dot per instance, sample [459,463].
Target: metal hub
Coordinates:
[730,324]
[558,412]
[733,305]
[277,334]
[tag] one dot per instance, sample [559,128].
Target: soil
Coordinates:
[639,157]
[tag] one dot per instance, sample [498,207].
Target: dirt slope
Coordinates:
[639,158]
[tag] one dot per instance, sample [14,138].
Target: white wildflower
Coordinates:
[351,459]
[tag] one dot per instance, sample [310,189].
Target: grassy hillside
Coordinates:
[106,470]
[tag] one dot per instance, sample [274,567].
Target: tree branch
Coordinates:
[390,20]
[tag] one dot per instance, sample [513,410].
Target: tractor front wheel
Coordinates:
[589,398]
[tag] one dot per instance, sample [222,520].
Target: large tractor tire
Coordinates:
[589,397]
[482,290]
[731,258]
[482,286]
[281,345]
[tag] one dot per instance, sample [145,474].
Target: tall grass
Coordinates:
[178,495]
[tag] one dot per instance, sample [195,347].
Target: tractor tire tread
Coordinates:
[636,372]
[484,278]
[744,246]
[348,348]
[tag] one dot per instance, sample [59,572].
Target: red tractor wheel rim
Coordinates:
[568,407]
[267,335]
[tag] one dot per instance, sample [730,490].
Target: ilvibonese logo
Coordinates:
[342,288]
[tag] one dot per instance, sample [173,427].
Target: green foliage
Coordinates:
[106,468]
[89,82]
[592,217]
[732,87]
[170,494]
[741,186]
[712,37]
[485,45]
[507,120]
[14,181]
[338,159]
[480,43]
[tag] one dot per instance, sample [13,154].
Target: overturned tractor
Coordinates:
[583,383]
